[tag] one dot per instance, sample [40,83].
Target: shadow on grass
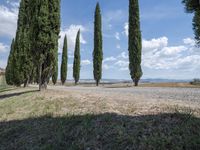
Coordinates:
[102,132]
[15,94]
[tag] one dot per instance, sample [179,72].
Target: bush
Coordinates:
[195,82]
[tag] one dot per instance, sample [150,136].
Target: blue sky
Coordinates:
[168,45]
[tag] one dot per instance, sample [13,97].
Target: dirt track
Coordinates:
[182,94]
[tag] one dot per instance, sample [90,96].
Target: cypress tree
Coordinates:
[193,6]
[196,26]
[76,64]
[18,52]
[45,33]
[22,59]
[98,52]
[54,6]
[25,46]
[135,42]
[9,69]
[64,62]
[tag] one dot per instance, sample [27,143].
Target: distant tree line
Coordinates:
[34,51]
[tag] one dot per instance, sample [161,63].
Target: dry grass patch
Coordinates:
[73,120]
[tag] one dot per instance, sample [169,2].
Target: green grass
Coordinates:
[37,120]
[3,84]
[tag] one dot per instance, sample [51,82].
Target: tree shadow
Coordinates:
[102,132]
[4,96]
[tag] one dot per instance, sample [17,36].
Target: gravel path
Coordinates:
[183,94]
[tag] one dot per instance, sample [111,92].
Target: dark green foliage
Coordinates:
[64,62]
[55,72]
[77,57]
[9,68]
[45,33]
[18,53]
[24,47]
[98,51]
[193,6]
[196,26]
[135,42]
[36,44]
[54,6]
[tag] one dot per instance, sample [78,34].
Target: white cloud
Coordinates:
[85,62]
[126,28]
[106,67]
[118,46]
[123,55]
[172,51]
[154,43]
[122,63]
[158,55]
[8,19]
[109,59]
[3,48]
[117,35]
[71,33]
[189,41]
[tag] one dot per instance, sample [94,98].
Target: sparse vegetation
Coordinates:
[195,82]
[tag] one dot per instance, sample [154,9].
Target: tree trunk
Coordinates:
[40,77]
[97,83]
[136,82]
[26,82]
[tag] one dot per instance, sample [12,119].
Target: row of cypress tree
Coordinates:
[34,51]
[135,46]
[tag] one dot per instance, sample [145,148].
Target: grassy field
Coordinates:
[64,120]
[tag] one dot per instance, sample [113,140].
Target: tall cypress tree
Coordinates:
[64,62]
[21,56]
[45,33]
[9,69]
[193,6]
[135,42]
[98,51]
[77,57]
[54,6]
[24,47]
[18,47]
